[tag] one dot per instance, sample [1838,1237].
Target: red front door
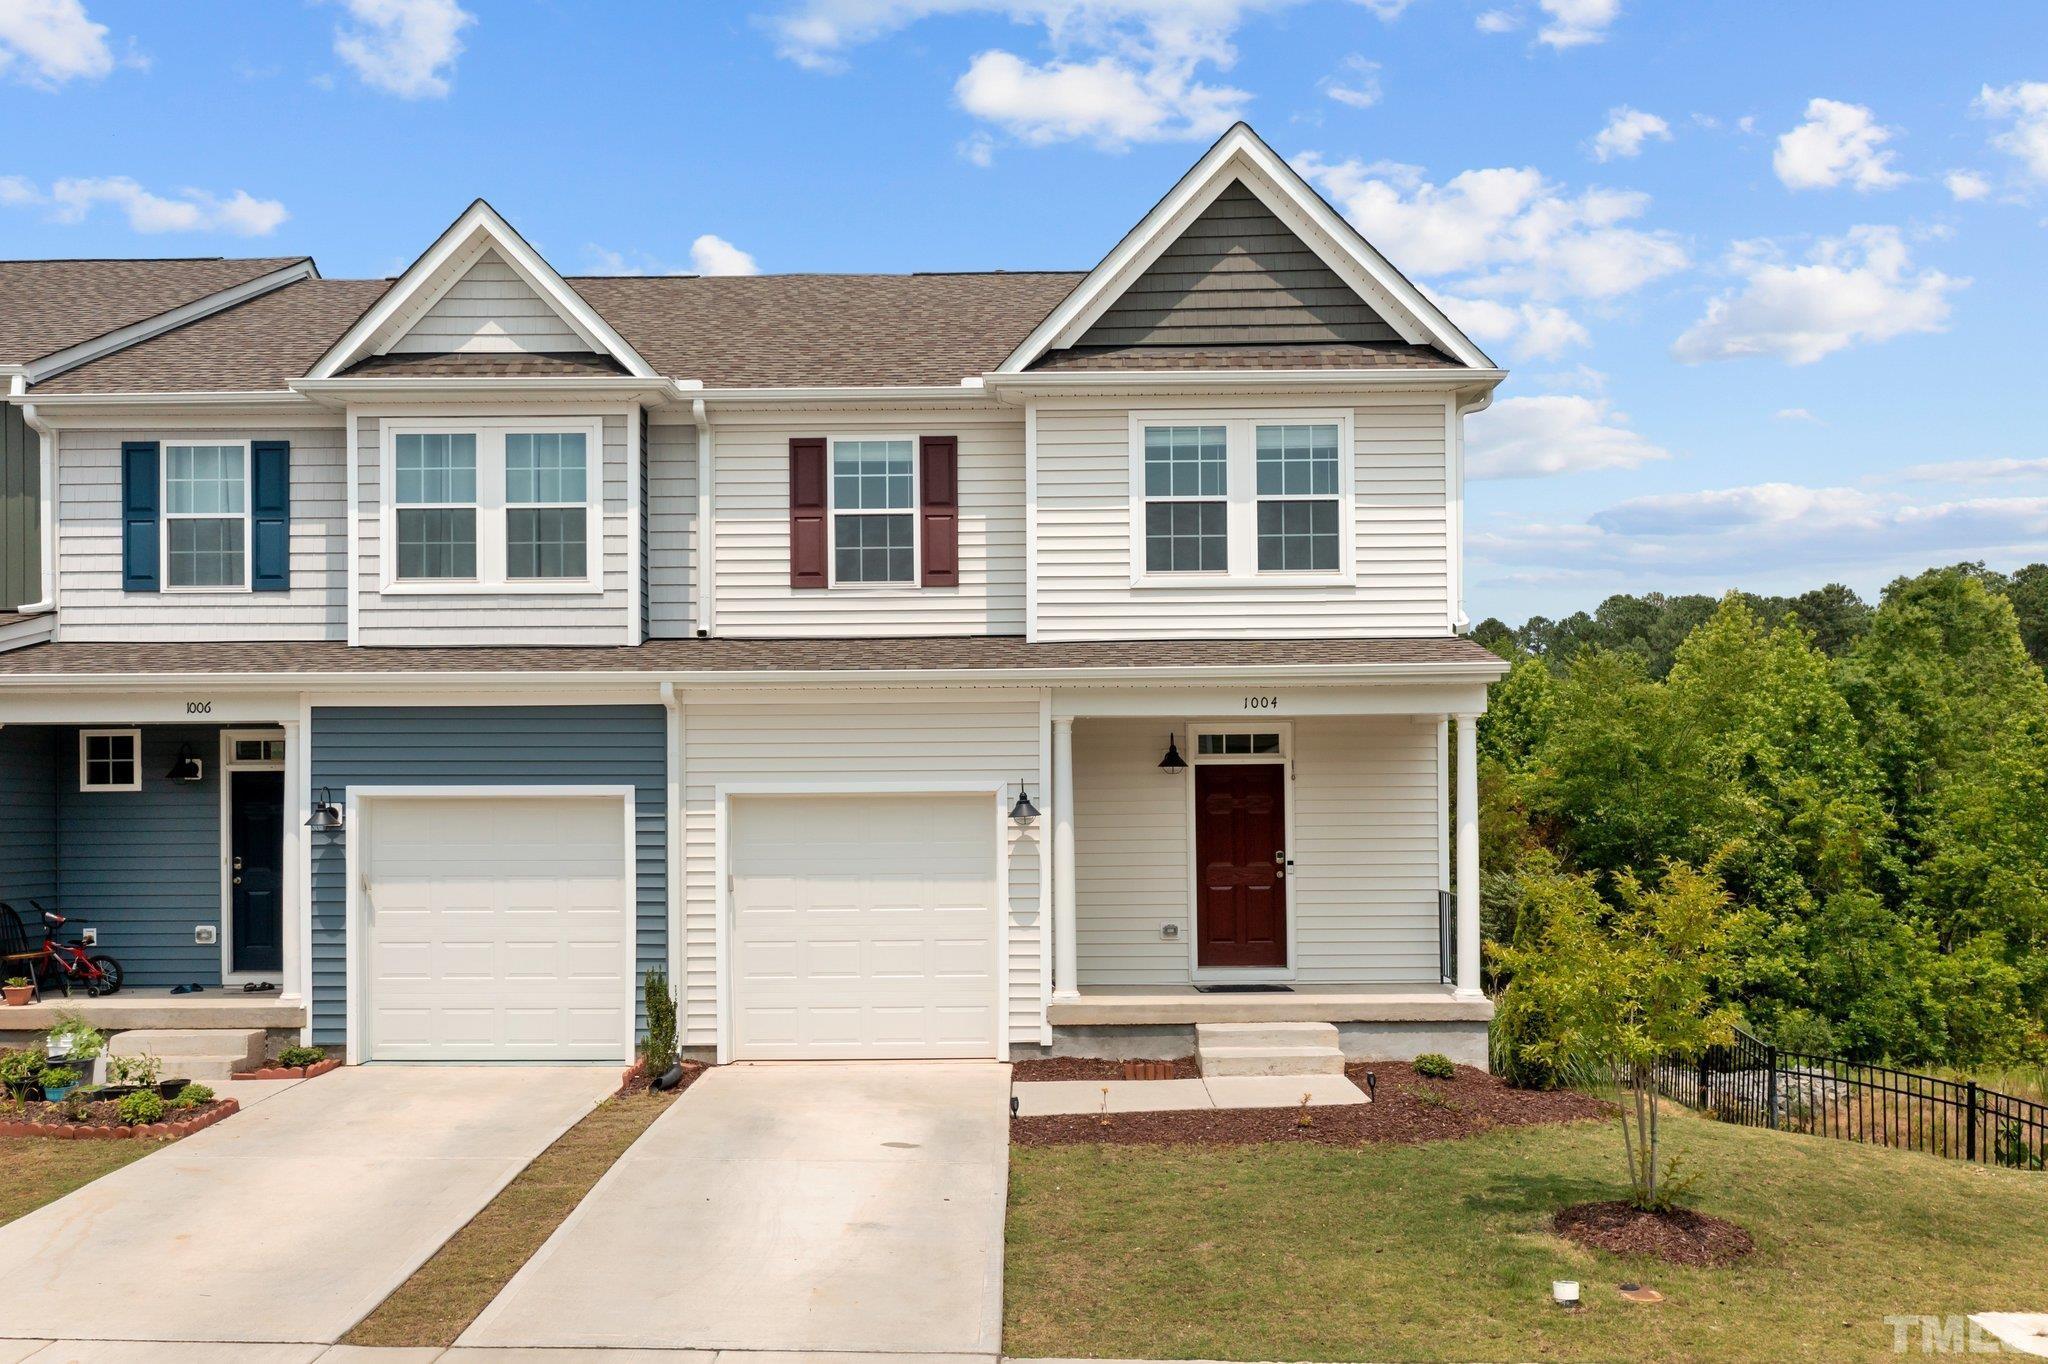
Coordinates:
[1240,849]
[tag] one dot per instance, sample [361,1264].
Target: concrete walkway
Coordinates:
[787,1207]
[288,1222]
[1043,1098]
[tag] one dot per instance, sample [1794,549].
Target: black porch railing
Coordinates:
[1758,1085]
[1447,936]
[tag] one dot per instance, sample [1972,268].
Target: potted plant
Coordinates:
[17,990]
[57,1081]
[78,1044]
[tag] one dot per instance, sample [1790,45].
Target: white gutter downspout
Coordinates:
[706,566]
[1479,404]
[676,955]
[46,499]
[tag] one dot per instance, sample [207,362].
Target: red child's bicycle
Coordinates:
[55,965]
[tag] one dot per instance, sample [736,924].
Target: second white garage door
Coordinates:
[863,926]
[497,928]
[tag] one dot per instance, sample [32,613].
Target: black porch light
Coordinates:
[187,767]
[1023,812]
[326,817]
[1173,761]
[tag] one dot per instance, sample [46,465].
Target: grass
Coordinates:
[447,1292]
[1442,1251]
[39,1170]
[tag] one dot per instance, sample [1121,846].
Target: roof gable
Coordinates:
[1213,239]
[479,287]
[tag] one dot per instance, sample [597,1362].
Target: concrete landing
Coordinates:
[1043,1098]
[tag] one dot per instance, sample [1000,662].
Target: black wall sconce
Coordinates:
[1173,761]
[1023,814]
[188,767]
[327,816]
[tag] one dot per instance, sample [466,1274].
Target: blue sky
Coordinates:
[1769,276]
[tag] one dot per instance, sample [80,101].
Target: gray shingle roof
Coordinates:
[50,305]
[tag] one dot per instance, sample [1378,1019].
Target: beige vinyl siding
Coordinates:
[751,511]
[1366,851]
[89,547]
[672,548]
[1400,532]
[507,618]
[859,737]
[489,309]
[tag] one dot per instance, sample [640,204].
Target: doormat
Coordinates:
[1260,988]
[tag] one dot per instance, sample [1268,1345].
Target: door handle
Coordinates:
[238,864]
[238,880]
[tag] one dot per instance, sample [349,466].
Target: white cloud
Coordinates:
[1497,21]
[2023,104]
[1839,143]
[1971,471]
[190,210]
[1574,23]
[1626,131]
[1965,186]
[978,150]
[1356,82]
[1851,290]
[1797,414]
[49,42]
[1387,11]
[404,47]
[1501,231]
[1107,101]
[1534,331]
[1552,434]
[714,255]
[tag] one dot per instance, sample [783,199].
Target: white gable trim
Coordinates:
[1240,155]
[426,280]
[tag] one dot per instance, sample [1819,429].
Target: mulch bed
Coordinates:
[1679,1236]
[289,1072]
[1407,1108]
[637,1081]
[103,1123]
[1088,1068]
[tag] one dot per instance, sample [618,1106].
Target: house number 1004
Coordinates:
[1262,703]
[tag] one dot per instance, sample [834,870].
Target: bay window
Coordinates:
[1246,496]
[492,505]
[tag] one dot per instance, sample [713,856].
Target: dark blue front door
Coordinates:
[256,848]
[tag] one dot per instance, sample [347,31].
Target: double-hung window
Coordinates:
[493,505]
[874,510]
[1240,497]
[206,523]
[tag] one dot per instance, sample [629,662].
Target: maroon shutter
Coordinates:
[939,481]
[807,489]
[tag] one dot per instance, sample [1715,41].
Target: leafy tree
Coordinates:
[1626,988]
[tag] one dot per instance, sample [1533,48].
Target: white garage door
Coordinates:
[863,926]
[498,929]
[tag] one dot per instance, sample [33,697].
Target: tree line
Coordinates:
[1864,788]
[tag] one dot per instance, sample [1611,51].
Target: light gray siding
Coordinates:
[28,817]
[1400,537]
[20,519]
[484,746]
[490,309]
[89,547]
[1366,850]
[672,548]
[858,738]
[1237,275]
[509,618]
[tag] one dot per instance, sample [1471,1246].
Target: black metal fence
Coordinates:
[1759,1085]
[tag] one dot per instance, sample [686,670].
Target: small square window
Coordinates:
[110,760]
[1236,745]
[259,750]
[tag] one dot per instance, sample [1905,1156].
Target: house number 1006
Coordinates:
[1262,703]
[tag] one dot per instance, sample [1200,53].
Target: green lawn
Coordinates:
[39,1170]
[1442,1251]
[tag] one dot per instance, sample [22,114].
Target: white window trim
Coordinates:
[164,501]
[490,505]
[1242,517]
[134,736]
[914,511]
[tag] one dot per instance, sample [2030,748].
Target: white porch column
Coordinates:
[1066,951]
[1468,857]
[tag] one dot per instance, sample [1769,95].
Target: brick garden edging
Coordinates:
[289,1072]
[149,1131]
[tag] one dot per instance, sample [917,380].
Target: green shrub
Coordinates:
[18,1070]
[302,1056]
[1435,1065]
[193,1095]
[658,1051]
[140,1107]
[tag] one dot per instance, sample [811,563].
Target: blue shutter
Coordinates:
[141,517]
[270,515]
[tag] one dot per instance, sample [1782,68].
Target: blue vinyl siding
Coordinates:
[143,867]
[483,746]
[28,818]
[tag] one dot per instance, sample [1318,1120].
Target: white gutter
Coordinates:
[1038,382]
[46,500]
[966,391]
[1478,404]
[64,402]
[707,561]
[674,823]
[658,390]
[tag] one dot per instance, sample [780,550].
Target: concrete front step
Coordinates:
[1266,1034]
[208,1055]
[1222,1061]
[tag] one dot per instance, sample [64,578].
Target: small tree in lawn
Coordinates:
[1623,989]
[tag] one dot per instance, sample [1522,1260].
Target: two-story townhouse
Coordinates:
[913,666]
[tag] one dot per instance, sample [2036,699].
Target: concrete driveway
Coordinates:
[787,1207]
[293,1219]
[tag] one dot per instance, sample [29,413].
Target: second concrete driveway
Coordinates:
[292,1220]
[787,1207]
